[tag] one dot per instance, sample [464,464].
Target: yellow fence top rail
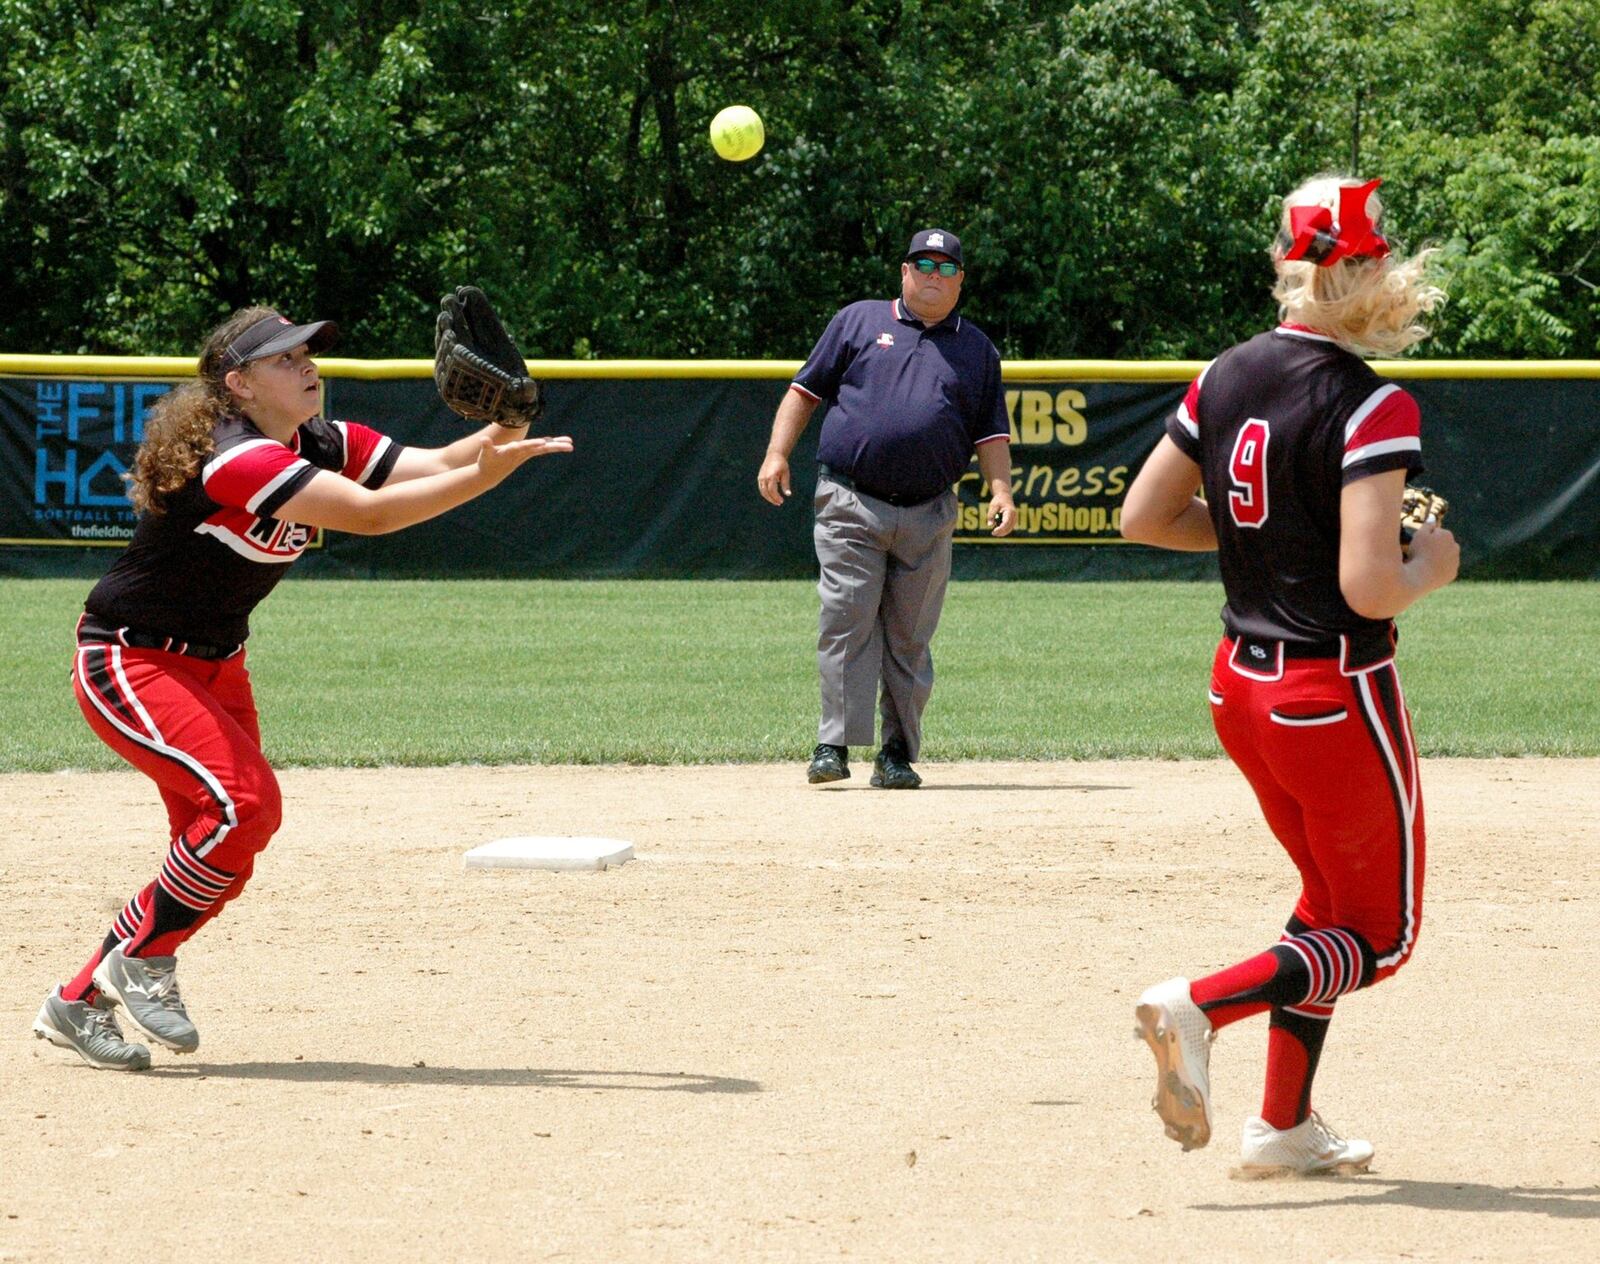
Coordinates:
[781,370]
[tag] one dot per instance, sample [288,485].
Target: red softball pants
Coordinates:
[190,725]
[1330,756]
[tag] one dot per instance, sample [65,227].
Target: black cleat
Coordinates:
[892,770]
[828,763]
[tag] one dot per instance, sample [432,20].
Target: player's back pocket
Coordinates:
[1308,713]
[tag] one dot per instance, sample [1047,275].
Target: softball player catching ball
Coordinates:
[1303,453]
[236,472]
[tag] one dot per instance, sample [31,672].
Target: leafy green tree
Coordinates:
[1114,165]
[1482,116]
[1506,170]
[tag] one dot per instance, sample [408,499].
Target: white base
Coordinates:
[540,852]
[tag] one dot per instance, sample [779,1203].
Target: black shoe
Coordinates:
[892,770]
[828,763]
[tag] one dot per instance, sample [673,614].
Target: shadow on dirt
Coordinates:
[841,788]
[458,1077]
[1577,1203]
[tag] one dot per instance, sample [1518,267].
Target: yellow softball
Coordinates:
[737,134]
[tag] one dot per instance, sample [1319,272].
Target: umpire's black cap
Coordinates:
[275,333]
[936,241]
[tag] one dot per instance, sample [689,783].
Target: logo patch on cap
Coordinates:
[936,241]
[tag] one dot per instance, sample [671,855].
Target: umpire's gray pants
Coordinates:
[884,574]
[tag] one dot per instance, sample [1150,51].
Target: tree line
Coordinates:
[1113,166]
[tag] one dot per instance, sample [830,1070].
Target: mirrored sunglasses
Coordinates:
[929,266]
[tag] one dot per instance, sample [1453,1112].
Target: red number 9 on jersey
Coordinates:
[1247,467]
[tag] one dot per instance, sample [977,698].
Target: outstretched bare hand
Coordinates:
[497,460]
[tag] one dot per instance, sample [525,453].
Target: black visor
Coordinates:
[275,333]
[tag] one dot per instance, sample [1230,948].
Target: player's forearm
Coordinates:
[1190,530]
[794,411]
[1161,508]
[399,505]
[1381,590]
[994,463]
[1378,578]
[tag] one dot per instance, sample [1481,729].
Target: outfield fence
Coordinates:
[662,479]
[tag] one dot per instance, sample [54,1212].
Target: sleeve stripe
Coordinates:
[221,459]
[1368,407]
[795,386]
[383,445]
[1382,448]
[1184,416]
[994,438]
[293,471]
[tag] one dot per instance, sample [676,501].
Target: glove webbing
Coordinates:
[476,388]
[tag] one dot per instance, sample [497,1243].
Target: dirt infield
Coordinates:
[806,1023]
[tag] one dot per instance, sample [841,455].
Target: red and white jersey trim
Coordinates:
[223,459]
[248,473]
[1357,455]
[248,481]
[289,472]
[1368,407]
[1189,408]
[1386,421]
[285,545]
[378,450]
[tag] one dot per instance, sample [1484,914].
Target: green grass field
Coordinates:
[369,673]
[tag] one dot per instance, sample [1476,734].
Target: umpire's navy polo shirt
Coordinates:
[907,404]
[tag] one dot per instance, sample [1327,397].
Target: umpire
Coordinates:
[912,388]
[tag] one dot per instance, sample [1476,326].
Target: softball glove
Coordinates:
[477,368]
[1417,506]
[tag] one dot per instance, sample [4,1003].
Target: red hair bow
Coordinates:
[1315,237]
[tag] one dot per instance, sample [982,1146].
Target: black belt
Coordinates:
[135,639]
[899,499]
[1356,651]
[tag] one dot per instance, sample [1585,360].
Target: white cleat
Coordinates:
[1180,1036]
[147,990]
[90,1031]
[1310,1148]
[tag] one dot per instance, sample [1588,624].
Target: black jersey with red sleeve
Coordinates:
[195,572]
[1279,425]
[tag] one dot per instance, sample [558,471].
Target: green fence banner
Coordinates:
[661,482]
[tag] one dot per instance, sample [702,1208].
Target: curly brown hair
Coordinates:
[177,434]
